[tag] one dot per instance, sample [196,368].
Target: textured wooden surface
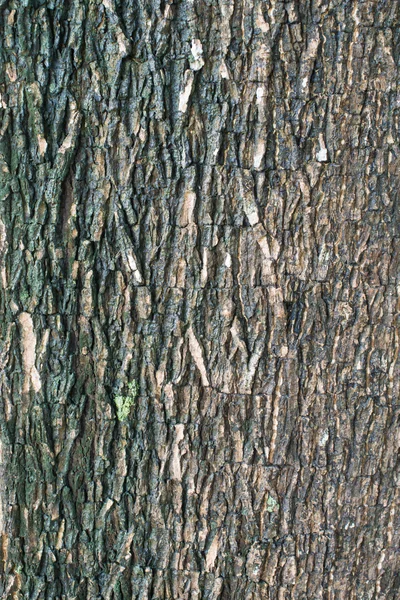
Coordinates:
[202,197]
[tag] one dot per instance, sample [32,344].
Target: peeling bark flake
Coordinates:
[212,554]
[28,342]
[197,354]
[185,93]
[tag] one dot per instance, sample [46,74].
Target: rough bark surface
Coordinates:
[200,197]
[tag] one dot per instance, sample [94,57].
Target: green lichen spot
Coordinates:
[272,504]
[124,403]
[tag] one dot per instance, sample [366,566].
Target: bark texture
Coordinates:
[201,197]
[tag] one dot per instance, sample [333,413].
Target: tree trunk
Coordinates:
[199,269]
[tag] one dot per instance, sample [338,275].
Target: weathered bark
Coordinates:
[200,197]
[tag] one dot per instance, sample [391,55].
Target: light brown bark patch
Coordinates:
[196,352]
[28,343]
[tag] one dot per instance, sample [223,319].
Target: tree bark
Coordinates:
[199,199]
